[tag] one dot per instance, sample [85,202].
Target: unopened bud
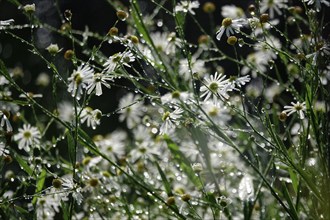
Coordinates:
[122,15]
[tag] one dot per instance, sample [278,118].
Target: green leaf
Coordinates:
[21,210]
[71,147]
[139,23]
[288,198]
[40,184]
[165,180]
[23,164]
[66,210]
[294,179]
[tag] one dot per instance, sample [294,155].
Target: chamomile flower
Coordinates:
[215,86]
[163,42]
[27,137]
[273,6]
[79,80]
[99,79]
[197,67]
[117,60]
[131,110]
[170,121]
[317,3]
[175,97]
[187,6]
[232,11]
[93,117]
[5,123]
[296,107]
[3,150]
[230,26]
[6,22]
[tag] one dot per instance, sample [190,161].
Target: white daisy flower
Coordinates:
[317,3]
[215,86]
[130,110]
[6,22]
[164,42]
[273,6]
[79,80]
[5,123]
[230,26]
[170,121]
[93,117]
[3,150]
[197,67]
[99,79]
[118,59]
[296,107]
[232,11]
[27,137]
[187,6]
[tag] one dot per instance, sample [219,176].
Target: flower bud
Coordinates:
[203,39]
[122,15]
[264,18]
[113,31]
[68,55]
[134,39]
[197,167]
[57,183]
[209,7]
[186,197]
[282,116]
[29,8]
[170,200]
[53,49]
[231,40]
[93,182]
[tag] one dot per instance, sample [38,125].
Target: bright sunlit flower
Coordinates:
[230,26]
[27,137]
[296,107]
[79,80]
[215,86]
[187,6]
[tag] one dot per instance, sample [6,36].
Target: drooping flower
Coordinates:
[79,80]
[187,6]
[296,107]
[230,26]
[215,86]
[93,117]
[27,137]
